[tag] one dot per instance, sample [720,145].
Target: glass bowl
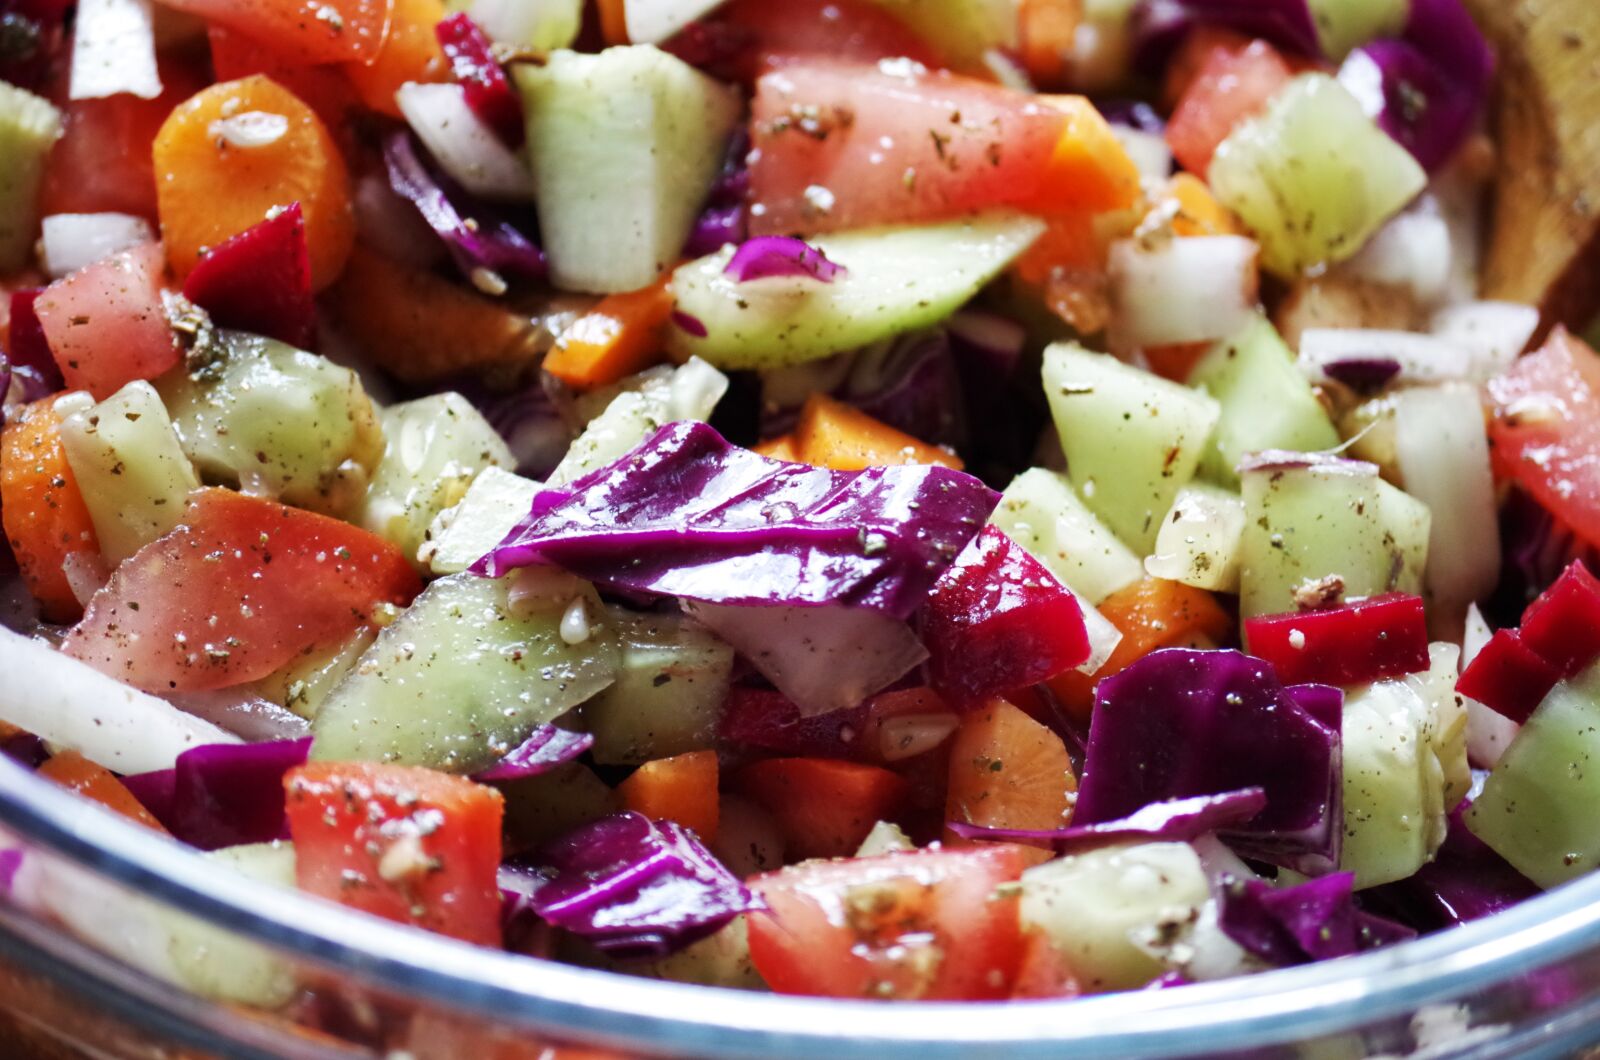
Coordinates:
[1525,983]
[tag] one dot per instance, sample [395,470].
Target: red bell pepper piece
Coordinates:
[27,347]
[1563,625]
[997,622]
[1508,677]
[1381,636]
[260,280]
[489,93]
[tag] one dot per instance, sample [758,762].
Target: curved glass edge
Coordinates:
[1292,1006]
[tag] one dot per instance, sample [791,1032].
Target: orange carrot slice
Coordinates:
[44,516]
[832,434]
[682,788]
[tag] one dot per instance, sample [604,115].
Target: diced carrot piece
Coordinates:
[1152,613]
[1089,169]
[823,807]
[71,770]
[1177,361]
[1067,264]
[1043,972]
[1199,212]
[411,52]
[420,327]
[323,87]
[44,516]
[1008,771]
[302,31]
[236,150]
[1048,31]
[682,788]
[833,434]
[779,448]
[621,335]
[613,21]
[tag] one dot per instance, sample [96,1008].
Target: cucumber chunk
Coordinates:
[1042,513]
[1346,24]
[130,468]
[216,963]
[1198,543]
[434,448]
[29,126]
[667,699]
[625,145]
[1327,518]
[458,537]
[1313,177]
[1131,439]
[462,677]
[547,806]
[260,415]
[899,279]
[962,31]
[540,26]
[1537,807]
[649,401]
[305,684]
[1267,403]
[1099,908]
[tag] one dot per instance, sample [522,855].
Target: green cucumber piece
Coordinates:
[433,448]
[649,401]
[305,684]
[1346,24]
[260,415]
[29,126]
[549,805]
[961,31]
[1132,439]
[899,279]
[1267,403]
[1313,177]
[672,679]
[540,26]
[462,677]
[1043,513]
[1537,807]
[720,959]
[1326,518]
[130,468]
[217,963]
[1099,908]
[1198,543]
[460,536]
[625,145]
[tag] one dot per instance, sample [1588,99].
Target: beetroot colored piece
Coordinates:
[27,349]
[1381,636]
[489,92]
[260,281]
[997,621]
[760,717]
[1562,626]
[1508,677]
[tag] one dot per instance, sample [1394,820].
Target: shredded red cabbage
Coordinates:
[1171,820]
[1363,374]
[1466,880]
[687,514]
[222,795]
[482,241]
[548,747]
[25,749]
[689,323]
[1159,26]
[725,218]
[526,416]
[1312,921]
[260,280]
[1181,723]
[634,887]
[767,256]
[488,90]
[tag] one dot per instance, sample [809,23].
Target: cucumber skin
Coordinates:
[1041,511]
[1132,439]
[495,502]
[899,279]
[667,699]
[459,679]
[1393,784]
[218,964]
[29,126]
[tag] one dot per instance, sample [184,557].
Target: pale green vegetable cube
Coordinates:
[671,682]
[460,536]
[1041,512]
[219,964]
[29,126]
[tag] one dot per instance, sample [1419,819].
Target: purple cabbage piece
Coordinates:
[1159,26]
[1167,980]
[1363,374]
[765,257]
[725,218]
[10,864]
[481,240]
[25,749]
[634,887]
[686,514]
[222,795]
[1465,881]
[1312,921]
[1181,723]
[548,747]
[1172,820]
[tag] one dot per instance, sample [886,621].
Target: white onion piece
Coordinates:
[988,331]
[73,240]
[1103,636]
[539,25]
[1194,289]
[1422,358]
[1489,732]
[86,574]
[392,226]
[1007,70]
[1493,333]
[242,712]
[1198,543]
[66,702]
[651,21]
[908,735]
[1150,154]
[1412,251]
[462,144]
[1443,458]
[822,658]
[114,50]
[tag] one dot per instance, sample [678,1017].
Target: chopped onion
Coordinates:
[114,50]
[1494,333]
[992,333]
[539,25]
[1444,462]
[908,735]
[73,240]
[1489,732]
[1422,358]
[653,21]
[1149,151]
[1195,289]
[1412,251]
[86,573]
[243,712]
[1198,543]
[1103,637]
[465,148]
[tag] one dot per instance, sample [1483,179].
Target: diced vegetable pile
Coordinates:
[900,499]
